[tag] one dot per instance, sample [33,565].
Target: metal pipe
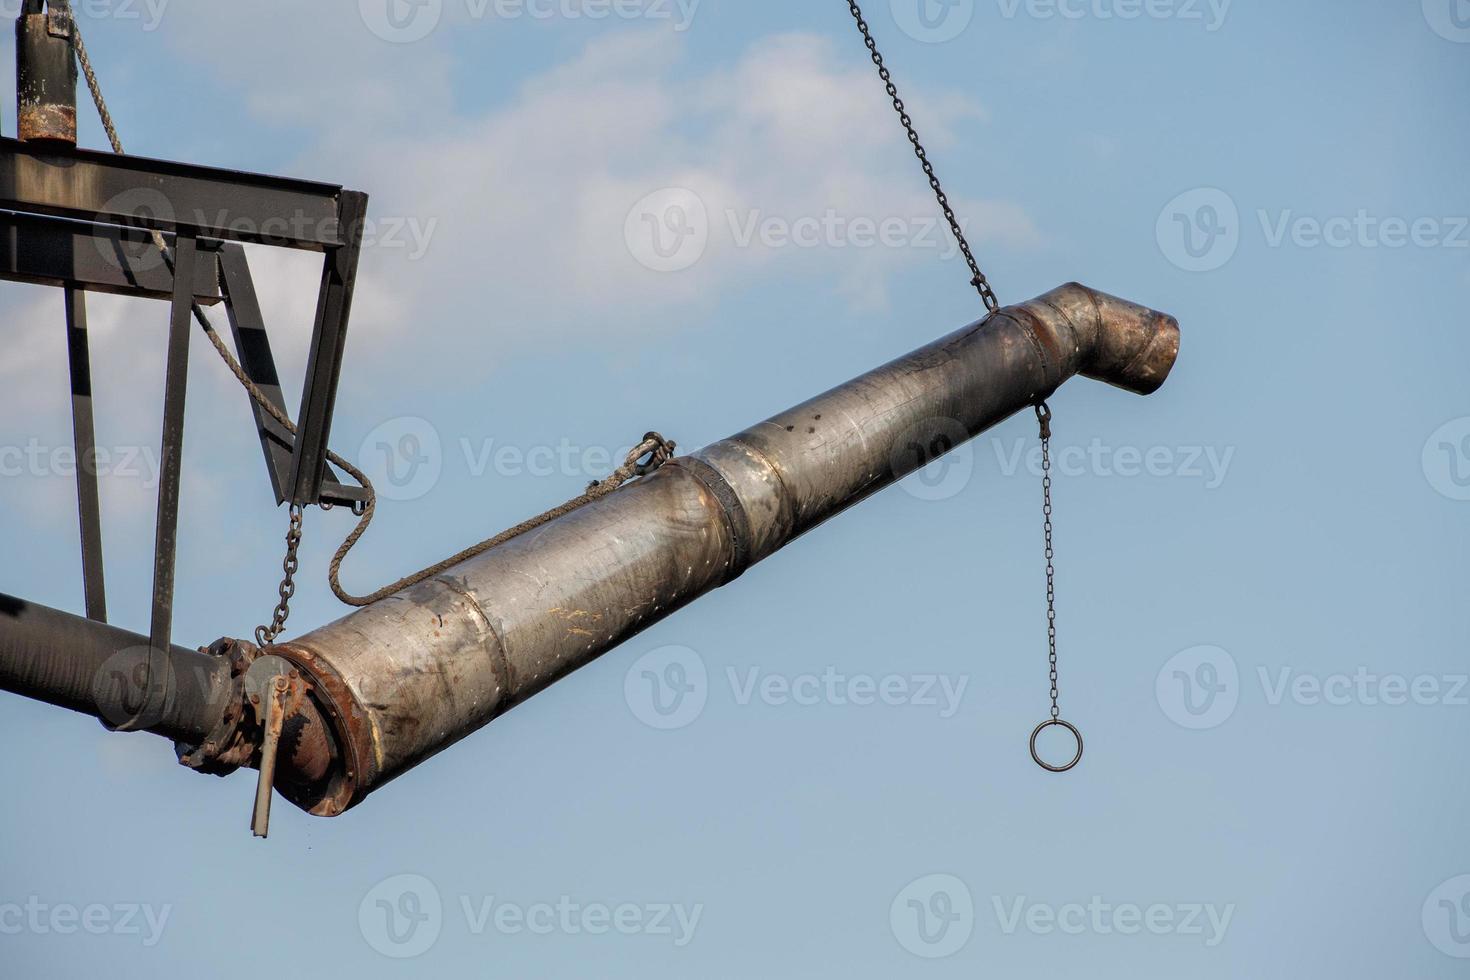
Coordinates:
[408,676]
[45,75]
[103,671]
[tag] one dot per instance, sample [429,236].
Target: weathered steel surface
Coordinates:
[45,77]
[412,674]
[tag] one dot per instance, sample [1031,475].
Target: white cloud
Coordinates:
[527,203]
[519,211]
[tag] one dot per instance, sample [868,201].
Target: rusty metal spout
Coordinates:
[408,676]
[45,75]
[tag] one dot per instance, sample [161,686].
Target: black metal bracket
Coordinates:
[84,221]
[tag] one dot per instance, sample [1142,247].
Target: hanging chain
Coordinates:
[265,636]
[987,295]
[1043,416]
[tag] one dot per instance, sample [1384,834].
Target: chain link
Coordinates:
[1043,416]
[981,284]
[265,636]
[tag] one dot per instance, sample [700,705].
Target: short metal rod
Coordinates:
[84,439]
[275,714]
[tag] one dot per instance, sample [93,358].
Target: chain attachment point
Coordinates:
[265,636]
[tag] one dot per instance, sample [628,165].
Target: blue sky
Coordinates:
[1262,568]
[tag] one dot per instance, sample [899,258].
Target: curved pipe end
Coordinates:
[1121,343]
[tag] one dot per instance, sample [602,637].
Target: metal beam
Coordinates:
[98,258]
[205,202]
[324,363]
[253,347]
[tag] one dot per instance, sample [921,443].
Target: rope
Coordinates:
[654,446]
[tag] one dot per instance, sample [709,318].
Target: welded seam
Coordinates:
[1029,331]
[732,510]
[788,502]
[499,657]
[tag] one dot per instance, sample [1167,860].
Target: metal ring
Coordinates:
[1075,734]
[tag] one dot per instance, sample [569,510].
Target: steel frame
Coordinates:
[84,221]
